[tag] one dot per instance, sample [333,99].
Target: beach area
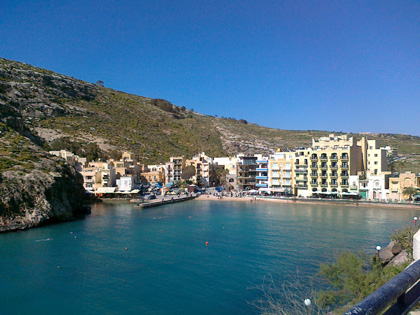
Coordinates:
[343,202]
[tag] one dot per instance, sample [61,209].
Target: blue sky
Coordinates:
[351,66]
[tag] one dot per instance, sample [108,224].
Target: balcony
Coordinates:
[325,167]
[314,184]
[324,184]
[261,161]
[261,177]
[262,169]
[344,167]
[301,186]
[333,175]
[301,171]
[324,175]
[287,176]
[314,158]
[301,165]
[323,158]
[261,185]
[314,175]
[300,179]
[334,184]
[246,177]
[334,158]
[334,167]
[344,158]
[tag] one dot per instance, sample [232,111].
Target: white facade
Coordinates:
[125,183]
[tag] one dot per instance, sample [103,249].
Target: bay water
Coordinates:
[123,260]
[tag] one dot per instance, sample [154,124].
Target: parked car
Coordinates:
[149,197]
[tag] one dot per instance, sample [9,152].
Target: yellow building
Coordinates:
[281,172]
[332,160]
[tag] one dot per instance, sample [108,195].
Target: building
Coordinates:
[229,164]
[333,160]
[128,166]
[153,174]
[246,172]
[301,173]
[71,158]
[97,175]
[203,165]
[125,183]
[262,172]
[178,163]
[281,172]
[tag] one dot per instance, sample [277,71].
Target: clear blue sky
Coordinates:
[351,66]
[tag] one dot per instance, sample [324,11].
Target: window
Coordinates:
[376,163]
[376,155]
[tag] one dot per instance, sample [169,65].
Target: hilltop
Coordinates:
[51,107]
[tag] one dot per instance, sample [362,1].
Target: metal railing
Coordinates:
[394,291]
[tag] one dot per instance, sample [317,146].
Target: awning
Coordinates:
[105,190]
[272,189]
[135,191]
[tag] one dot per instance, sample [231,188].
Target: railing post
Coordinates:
[416,246]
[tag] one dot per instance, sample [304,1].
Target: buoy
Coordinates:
[207,243]
[75,237]
[126,248]
[58,267]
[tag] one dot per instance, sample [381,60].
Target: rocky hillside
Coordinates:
[56,107]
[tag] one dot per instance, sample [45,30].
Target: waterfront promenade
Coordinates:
[343,202]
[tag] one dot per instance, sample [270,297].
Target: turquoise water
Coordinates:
[167,268]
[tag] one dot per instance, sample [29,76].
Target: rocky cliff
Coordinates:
[35,187]
[28,200]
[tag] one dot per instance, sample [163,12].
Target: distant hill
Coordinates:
[50,106]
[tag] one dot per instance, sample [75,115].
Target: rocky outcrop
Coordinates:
[393,255]
[31,199]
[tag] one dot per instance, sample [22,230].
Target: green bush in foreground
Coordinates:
[352,277]
[349,279]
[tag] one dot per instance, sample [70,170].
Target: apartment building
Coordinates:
[281,172]
[246,172]
[261,178]
[301,172]
[128,166]
[333,160]
[203,165]
[178,164]
[153,174]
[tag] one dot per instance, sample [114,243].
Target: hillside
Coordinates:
[54,106]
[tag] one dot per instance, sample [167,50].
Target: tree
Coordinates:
[409,191]
[100,83]
[219,175]
[188,172]
[92,151]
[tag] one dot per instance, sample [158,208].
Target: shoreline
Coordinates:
[360,204]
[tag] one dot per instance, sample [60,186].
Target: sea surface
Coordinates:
[123,260]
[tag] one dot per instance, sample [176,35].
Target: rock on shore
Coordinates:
[30,199]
